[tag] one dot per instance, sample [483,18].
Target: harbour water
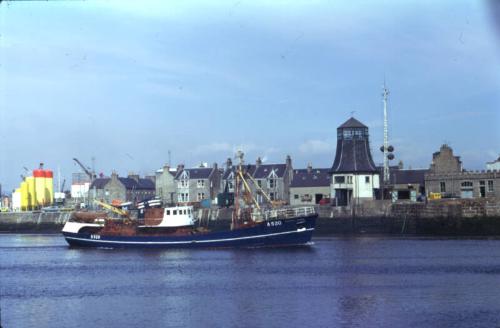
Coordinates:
[372,281]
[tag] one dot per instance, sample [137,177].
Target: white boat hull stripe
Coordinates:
[189,241]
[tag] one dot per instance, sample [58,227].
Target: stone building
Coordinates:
[119,189]
[492,166]
[310,186]
[273,179]
[448,178]
[405,183]
[197,184]
[354,174]
[166,186]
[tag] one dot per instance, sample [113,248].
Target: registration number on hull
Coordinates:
[274,223]
[97,237]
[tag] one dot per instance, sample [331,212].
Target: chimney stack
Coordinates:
[258,162]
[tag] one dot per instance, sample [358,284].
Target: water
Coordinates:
[343,282]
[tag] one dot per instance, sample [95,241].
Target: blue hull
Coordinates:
[297,231]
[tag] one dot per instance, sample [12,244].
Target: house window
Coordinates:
[367,179]
[272,183]
[467,184]
[340,179]
[183,197]
[183,183]
[349,179]
[296,196]
[201,183]
[201,196]
[175,212]
[259,183]
[168,212]
[442,186]
[230,185]
[272,196]
[490,186]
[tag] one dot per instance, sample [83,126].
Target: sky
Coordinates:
[127,81]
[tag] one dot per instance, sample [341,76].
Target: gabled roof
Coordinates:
[250,168]
[99,183]
[129,183]
[311,178]
[352,123]
[196,173]
[263,170]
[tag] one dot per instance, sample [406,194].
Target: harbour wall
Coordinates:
[438,217]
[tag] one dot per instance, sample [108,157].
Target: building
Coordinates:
[354,174]
[273,179]
[310,186]
[493,166]
[120,189]
[447,178]
[405,183]
[197,184]
[80,186]
[166,186]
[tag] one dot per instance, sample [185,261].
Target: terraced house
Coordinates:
[197,184]
[122,189]
[273,179]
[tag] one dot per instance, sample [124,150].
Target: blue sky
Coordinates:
[127,81]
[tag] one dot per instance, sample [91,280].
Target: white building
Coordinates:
[354,175]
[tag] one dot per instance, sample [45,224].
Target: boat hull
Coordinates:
[296,231]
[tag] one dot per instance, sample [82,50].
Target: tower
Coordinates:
[354,174]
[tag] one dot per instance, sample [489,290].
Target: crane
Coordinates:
[111,208]
[85,169]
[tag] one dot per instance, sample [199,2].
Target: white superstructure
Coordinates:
[177,216]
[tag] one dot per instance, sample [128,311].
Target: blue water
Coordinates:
[339,282]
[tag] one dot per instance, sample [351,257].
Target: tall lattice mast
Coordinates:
[385,95]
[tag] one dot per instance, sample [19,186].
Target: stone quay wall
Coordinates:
[437,217]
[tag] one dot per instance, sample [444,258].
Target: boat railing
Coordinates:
[283,213]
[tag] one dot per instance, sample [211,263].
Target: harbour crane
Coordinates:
[87,170]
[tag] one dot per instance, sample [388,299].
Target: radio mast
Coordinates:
[385,95]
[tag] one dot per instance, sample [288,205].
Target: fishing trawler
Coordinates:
[176,227]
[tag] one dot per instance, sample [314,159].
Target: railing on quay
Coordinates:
[284,213]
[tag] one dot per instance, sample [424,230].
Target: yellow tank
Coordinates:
[31,193]
[24,196]
[49,187]
[39,176]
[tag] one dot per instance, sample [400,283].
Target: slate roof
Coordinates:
[353,155]
[196,173]
[405,176]
[129,183]
[352,123]
[99,183]
[250,168]
[263,170]
[315,178]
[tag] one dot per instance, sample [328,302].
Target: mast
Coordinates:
[385,95]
